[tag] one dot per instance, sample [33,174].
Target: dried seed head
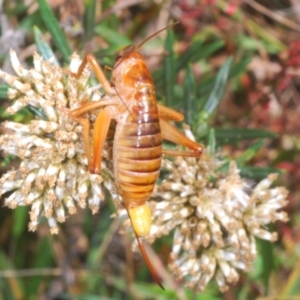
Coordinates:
[215,216]
[53,177]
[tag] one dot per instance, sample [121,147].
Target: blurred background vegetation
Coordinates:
[252,114]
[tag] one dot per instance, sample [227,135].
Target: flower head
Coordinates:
[216,216]
[53,176]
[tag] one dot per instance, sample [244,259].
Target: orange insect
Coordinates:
[142,124]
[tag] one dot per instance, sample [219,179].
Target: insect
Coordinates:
[142,124]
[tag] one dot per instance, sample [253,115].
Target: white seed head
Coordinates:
[53,176]
[215,217]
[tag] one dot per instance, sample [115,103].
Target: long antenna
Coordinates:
[154,34]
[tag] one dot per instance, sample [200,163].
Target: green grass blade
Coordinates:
[43,259]
[198,52]
[189,95]
[206,85]
[258,173]
[169,68]
[216,95]
[3,91]
[112,37]
[265,250]
[233,135]
[43,47]
[13,287]
[250,152]
[89,19]
[184,59]
[212,141]
[53,26]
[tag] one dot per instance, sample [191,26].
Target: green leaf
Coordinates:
[250,152]
[3,91]
[89,19]
[266,257]
[20,216]
[53,26]
[198,52]
[185,58]
[43,258]
[258,173]
[189,95]
[206,85]
[43,47]
[169,68]
[112,37]
[217,92]
[232,135]
[270,41]
[211,141]
[13,288]
[36,111]
[195,52]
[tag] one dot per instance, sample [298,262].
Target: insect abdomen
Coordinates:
[139,150]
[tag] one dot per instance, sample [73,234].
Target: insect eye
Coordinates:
[118,57]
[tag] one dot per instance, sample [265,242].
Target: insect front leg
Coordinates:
[92,61]
[101,127]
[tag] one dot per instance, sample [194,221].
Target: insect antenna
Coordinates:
[154,34]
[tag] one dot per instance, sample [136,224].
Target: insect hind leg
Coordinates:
[172,134]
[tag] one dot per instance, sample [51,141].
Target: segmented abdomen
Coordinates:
[137,156]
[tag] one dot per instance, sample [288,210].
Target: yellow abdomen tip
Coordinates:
[140,217]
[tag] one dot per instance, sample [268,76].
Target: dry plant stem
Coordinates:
[296,7]
[56,272]
[288,23]
[106,241]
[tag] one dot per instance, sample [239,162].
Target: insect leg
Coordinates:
[99,136]
[92,61]
[75,113]
[169,113]
[171,133]
[100,131]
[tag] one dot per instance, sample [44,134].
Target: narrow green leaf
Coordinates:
[258,173]
[292,282]
[89,19]
[212,141]
[3,91]
[274,43]
[112,37]
[36,111]
[43,259]
[217,92]
[53,26]
[232,135]
[20,216]
[169,68]
[13,288]
[201,53]
[189,94]
[265,250]
[184,59]
[194,53]
[206,85]
[250,152]
[43,47]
